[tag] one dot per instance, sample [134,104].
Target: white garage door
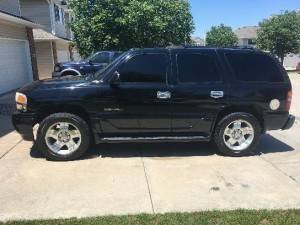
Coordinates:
[15,66]
[63,56]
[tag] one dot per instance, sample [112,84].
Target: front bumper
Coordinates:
[56,74]
[23,123]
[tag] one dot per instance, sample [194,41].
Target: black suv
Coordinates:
[228,95]
[87,66]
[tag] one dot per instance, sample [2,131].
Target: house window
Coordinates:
[251,42]
[59,16]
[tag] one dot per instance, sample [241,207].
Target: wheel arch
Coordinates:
[71,71]
[77,110]
[253,110]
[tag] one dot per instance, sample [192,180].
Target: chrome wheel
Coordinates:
[238,135]
[63,138]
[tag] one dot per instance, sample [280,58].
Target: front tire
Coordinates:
[63,137]
[237,134]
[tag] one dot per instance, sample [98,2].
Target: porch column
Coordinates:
[35,72]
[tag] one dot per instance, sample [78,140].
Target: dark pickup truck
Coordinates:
[228,95]
[87,66]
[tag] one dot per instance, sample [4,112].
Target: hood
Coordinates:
[61,82]
[71,63]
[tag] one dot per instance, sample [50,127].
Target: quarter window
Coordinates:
[144,68]
[250,67]
[197,68]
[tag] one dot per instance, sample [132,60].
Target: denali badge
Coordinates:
[113,110]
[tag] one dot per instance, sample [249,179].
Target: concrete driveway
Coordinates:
[149,178]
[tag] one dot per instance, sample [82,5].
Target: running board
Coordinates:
[155,139]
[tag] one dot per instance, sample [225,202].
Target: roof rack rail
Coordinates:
[185,46]
[243,47]
[176,47]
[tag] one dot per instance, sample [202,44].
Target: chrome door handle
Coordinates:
[163,95]
[217,94]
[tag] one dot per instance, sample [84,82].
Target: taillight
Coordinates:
[289,100]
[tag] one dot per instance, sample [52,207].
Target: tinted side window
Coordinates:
[144,68]
[197,68]
[249,67]
[116,55]
[102,57]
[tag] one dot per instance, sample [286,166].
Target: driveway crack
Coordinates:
[10,150]
[146,177]
[289,176]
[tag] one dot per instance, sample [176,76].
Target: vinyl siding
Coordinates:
[37,11]
[60,29]
[10,6]
[44,59]
[62,46]
[9,30]
[63,54]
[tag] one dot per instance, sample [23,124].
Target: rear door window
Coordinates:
[197,68]
[251,67]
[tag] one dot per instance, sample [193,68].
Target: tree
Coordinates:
[221,36]
[124,24]
[280,35]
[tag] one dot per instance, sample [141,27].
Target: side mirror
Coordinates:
[91,62]
[115,78]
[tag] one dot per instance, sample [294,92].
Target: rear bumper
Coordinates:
[23,123]
[278,122]
[289,123]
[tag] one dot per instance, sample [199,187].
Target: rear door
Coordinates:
[200,91]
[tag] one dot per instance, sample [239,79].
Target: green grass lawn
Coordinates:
[238,217]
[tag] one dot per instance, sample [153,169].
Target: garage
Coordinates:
[15,65]
[15,54]
[63,54]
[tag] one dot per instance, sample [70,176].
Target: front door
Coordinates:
[200,92]
[140,103]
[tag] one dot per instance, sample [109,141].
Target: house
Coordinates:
[197,41]
[51,42]
[247,35]
[17,51]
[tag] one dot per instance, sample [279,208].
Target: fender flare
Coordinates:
[73,70]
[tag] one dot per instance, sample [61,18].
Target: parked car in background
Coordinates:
[87,66]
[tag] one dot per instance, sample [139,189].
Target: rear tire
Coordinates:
[63,137]
[237,134]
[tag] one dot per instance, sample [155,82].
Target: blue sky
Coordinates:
[235,13]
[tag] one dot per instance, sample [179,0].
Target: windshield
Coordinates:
[88,58]
[101,73]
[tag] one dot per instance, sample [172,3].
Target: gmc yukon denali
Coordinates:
[226,95]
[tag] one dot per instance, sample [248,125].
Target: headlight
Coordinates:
[56,69]
[21,101]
